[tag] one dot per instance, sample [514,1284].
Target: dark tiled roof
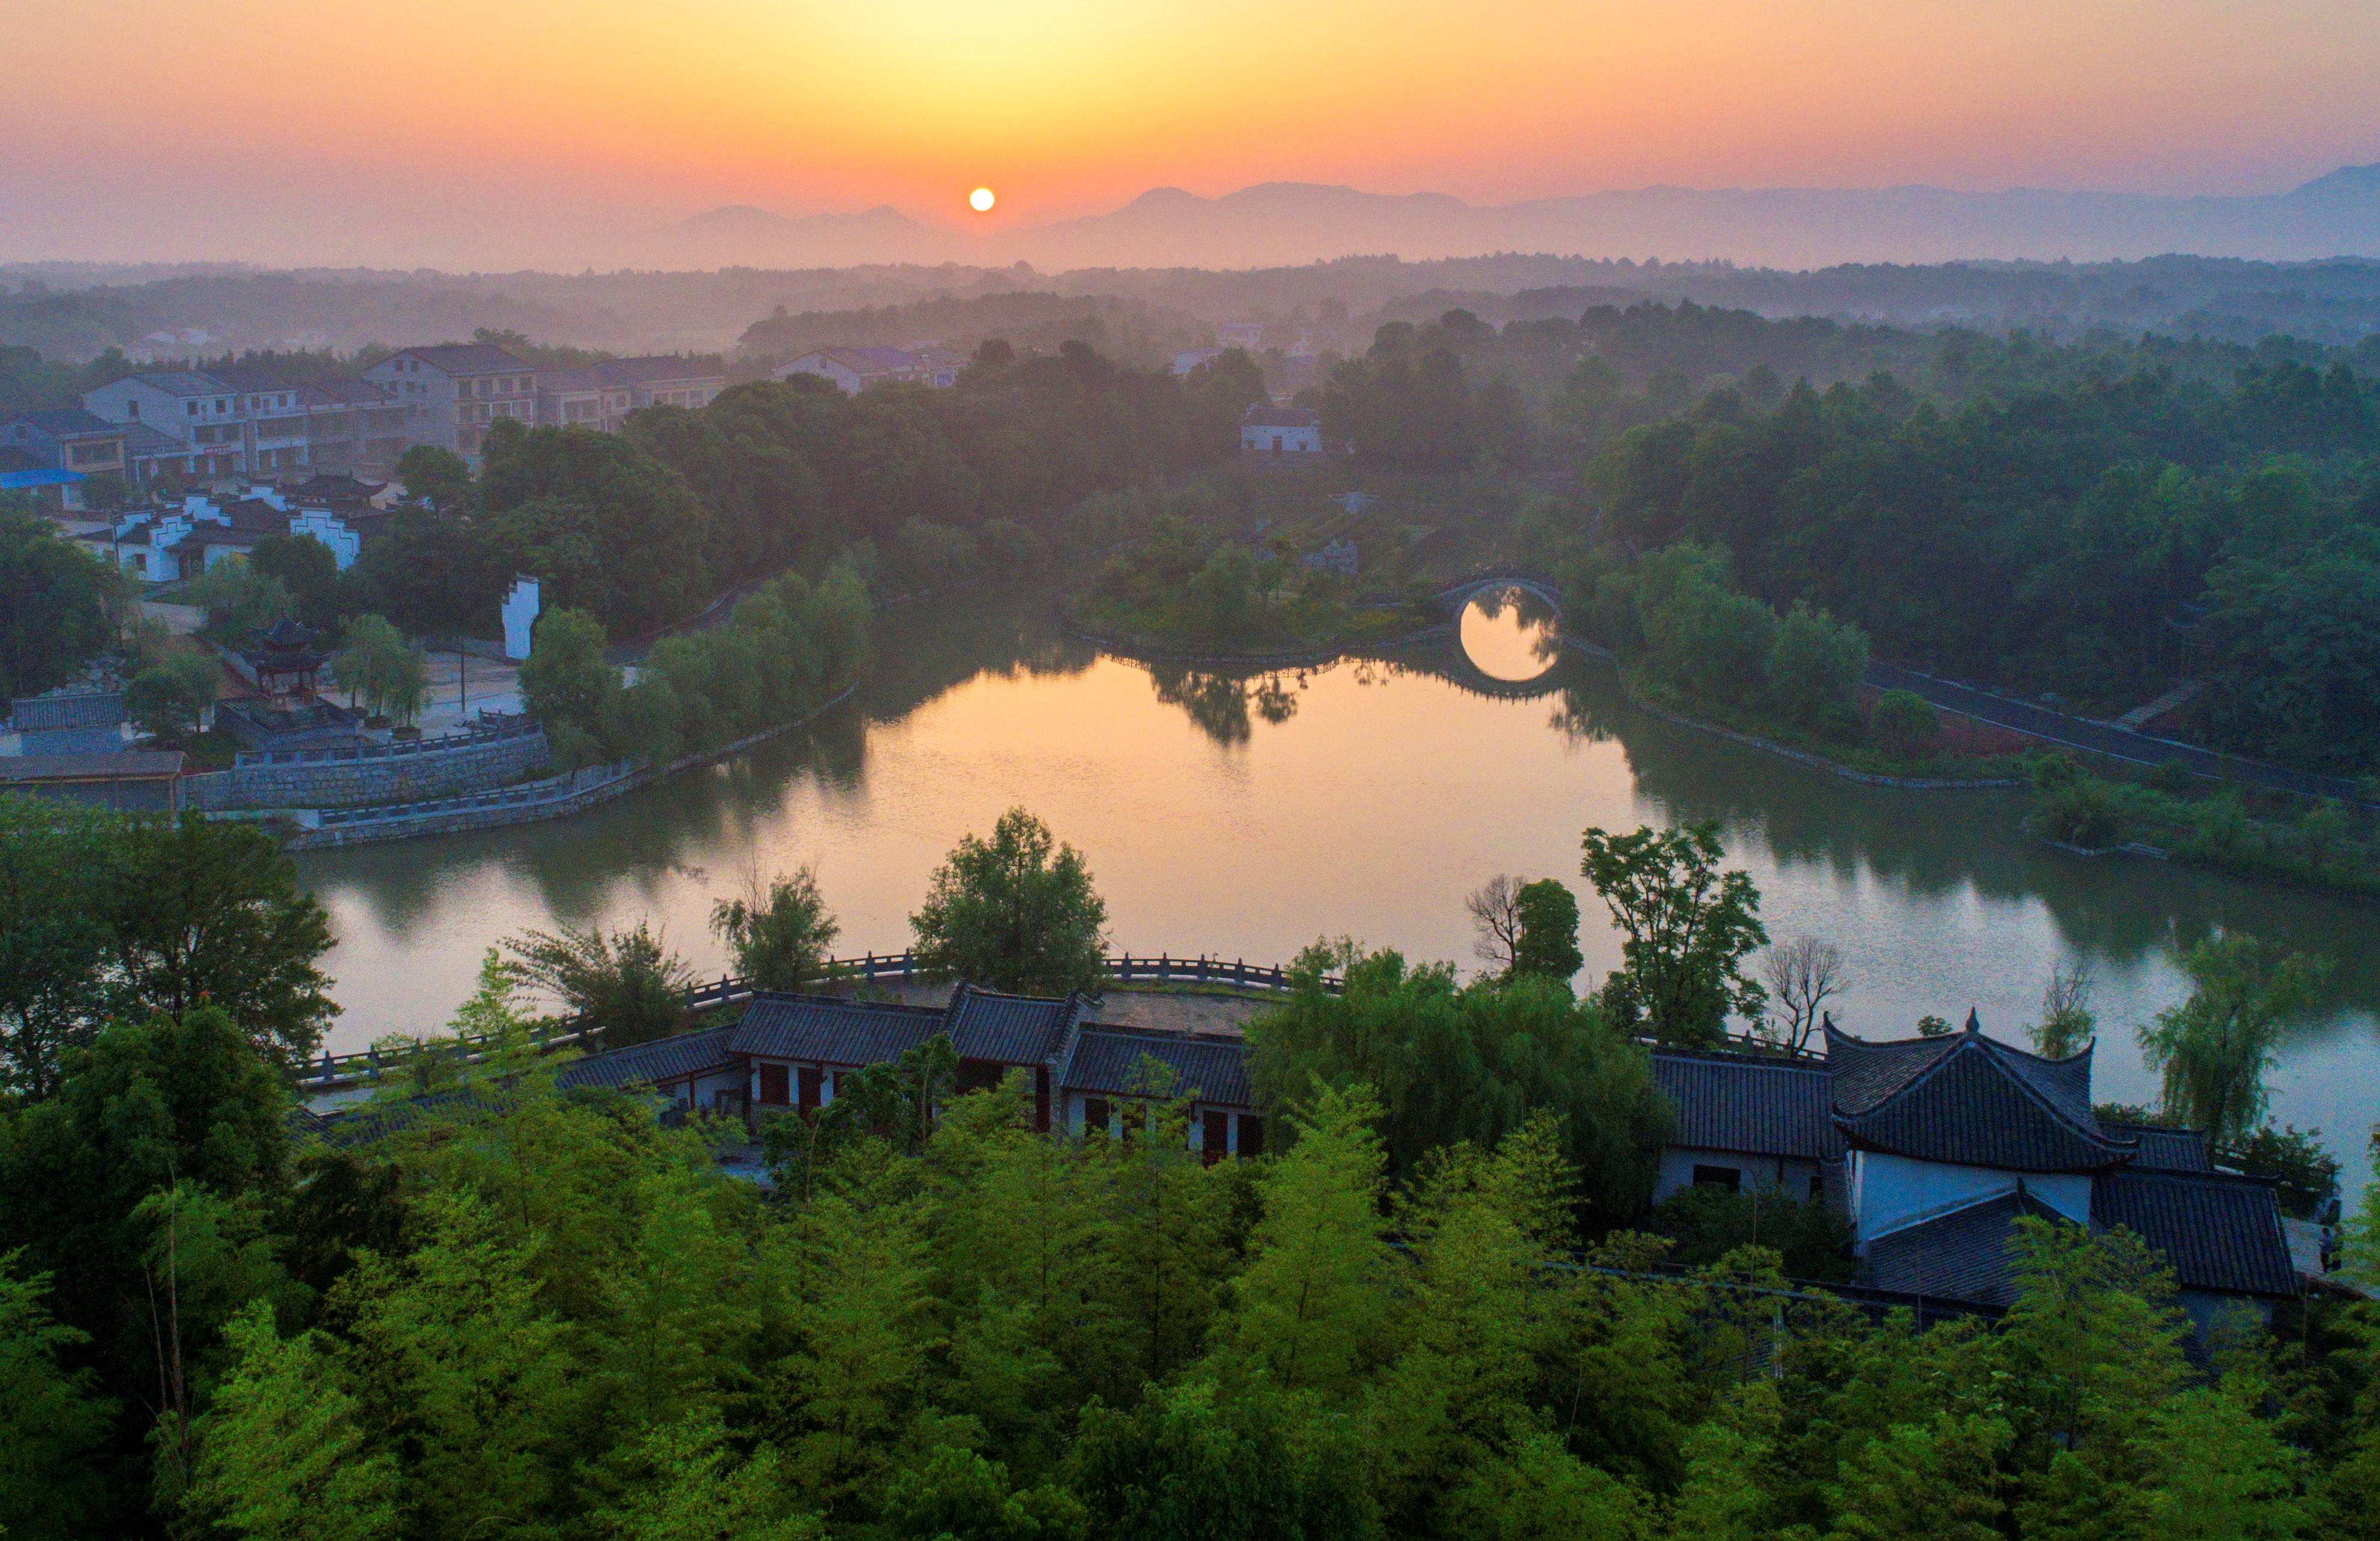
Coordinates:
[1280,416]
[66,422]
[655,369]
[2166,1150]
[2221,1233]
[134,764]
[255,378]
[668,1059]
[1108,1060]
[823,1029]
[563,382]
[139,439]
[466,359]
[1967,1098]
[90,709]
[184,383]
[1745,1102]
[1012,1029]
[378,1119]
[1961,1255]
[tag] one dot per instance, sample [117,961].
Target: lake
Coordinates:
[1244,819]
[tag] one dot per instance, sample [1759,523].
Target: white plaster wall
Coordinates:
[1891,1192]
[1678,1163]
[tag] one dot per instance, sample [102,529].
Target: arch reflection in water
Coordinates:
[1510,635]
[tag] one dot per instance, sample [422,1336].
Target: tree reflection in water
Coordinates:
[1222,704]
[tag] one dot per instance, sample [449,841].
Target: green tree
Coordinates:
[238,600]
[1311,1307]
[690,1486]
[780,937]
[957,1495]
[452,1346]
[1547,943]
[306,569]
[1191,1464]
[54,934]
[1017,912]
[565,684]
[2215,1048]
[167,700]
[1453,1064]
[282,1454]
[375,661]
[1815,667]
[56,603]
[628,984]
[1904,724]
[52,1425]
[1689,928]
[440,478]
[205,912]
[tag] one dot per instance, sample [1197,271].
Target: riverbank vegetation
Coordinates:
[1433,1308]
[784,652]
[2321,843]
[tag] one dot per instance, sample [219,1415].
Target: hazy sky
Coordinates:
[462,131]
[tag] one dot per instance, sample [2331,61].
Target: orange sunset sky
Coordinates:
[462,132]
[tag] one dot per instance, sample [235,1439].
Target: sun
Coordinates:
[981,200]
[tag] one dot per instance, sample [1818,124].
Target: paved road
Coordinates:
[2104,739]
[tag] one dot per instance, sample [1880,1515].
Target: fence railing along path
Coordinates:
[331,1072]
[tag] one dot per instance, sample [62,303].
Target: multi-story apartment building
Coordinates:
[455,392]
[602,395]
[249,421]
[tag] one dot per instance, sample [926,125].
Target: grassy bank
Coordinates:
[2322,844]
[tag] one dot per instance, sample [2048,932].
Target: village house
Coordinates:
[853,370]
[790,1052]
[454,392]
[165,544]
[1932,1147]
[1281,431]
[601,395]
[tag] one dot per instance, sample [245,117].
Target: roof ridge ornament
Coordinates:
[1975,1024]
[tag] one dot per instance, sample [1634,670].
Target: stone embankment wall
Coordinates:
[552,797]
[373,773]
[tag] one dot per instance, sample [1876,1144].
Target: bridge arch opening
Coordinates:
[1510,632]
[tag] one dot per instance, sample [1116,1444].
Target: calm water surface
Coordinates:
[1244,819]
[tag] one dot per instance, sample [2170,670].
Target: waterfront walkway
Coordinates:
[2105,738]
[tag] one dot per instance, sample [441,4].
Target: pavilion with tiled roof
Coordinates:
[1933,1147]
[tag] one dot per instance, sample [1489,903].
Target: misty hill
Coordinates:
[1278,223]
[1793,227]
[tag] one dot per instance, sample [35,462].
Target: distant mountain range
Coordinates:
[1290,223]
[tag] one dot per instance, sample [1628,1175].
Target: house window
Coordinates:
[1729,1178]
[773,1085]
[1095,1115]
[807,1084]
[1214,1137]
[1251,1135]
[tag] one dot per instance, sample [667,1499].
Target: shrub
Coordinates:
[2080,812]
[1904,724]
